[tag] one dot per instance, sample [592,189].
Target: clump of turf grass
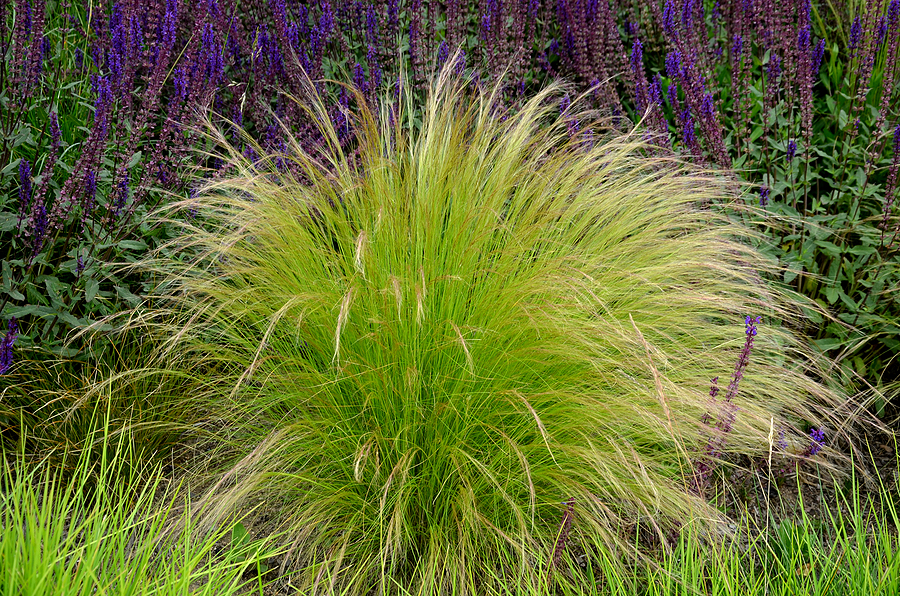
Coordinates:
[425,349]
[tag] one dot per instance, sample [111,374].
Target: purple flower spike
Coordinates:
[763,201]
[6,354]
[443,54]
[460,66]
[791,149]
[855,35]
[818,440]
[24,186]
[737,48]
[818,53]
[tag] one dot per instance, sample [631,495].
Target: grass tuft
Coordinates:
[421,351]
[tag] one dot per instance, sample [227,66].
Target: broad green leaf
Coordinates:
[90,289]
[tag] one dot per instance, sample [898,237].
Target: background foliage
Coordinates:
[98,101]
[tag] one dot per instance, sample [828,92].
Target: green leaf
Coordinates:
[239,535]
[90,289]
[133,161]
[826,344]
[8,221]
[126,294]
[132,245]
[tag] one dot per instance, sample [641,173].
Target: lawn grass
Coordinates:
[105,530]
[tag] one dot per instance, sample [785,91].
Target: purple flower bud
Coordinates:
[55,135]
[817,54]
[687,14]
[803,37]
[882,29]
[374,69]
[40,222]
[443,54]
[763,201]
[637,55]
[90,192]
[669,19]
[655,91]
[781,444]
[24,186]
[707,106]
[359,78]
[6,353]
[673,65]
[79,265]
[121,196]
[79,58]
[773,69]
[818,439]
[714,387]
[897,142]
[893,13]
[690,137]
[737,48]
[791,149]
[751,323]
[564,104]
[460,66]
[371,25]
[672,94]
[855,34]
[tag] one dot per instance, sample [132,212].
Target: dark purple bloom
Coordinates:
[6,353]
[79,265]
[803,37]
[79,58]
[855,35]
[690,138]
[655,91]
[669,19]
[763,201]
[374,69]
[564,104]
[818,439]
[897,141]
[443,54]
[359,78]
[55,135]
[371,26]
[180,83]
[882,29]
[672,94]
[24,186]
[687,14]
[737,48]
[121,196]
[707,106]
[673,65]
[460,66]
[90,193]
[781,444]
[817,54]
[773,69]
[791,149]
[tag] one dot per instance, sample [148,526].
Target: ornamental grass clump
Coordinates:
[424,353]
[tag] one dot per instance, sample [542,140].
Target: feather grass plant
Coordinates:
[421,351]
